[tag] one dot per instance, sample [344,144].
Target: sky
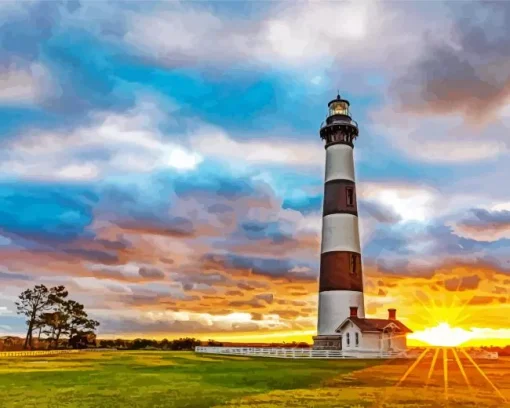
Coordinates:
[162,160]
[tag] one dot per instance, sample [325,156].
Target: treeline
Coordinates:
[181,344]
[290,345]
[57,320]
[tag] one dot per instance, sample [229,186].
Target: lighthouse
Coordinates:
[341,275]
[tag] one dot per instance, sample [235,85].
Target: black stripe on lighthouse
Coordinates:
[340,198]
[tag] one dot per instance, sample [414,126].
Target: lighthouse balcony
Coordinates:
[340,132]
[339,120]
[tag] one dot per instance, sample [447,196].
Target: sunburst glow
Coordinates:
[443,335]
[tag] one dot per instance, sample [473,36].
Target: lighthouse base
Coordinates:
[332,342]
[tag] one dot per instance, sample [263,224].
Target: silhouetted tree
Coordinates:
[33,302]
[49,311]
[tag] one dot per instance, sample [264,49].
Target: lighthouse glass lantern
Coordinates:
[339,107]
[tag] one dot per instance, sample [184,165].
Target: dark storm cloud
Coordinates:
[95,256]
[258,301]
[258,230]
[118,245]
[14,276]
[481,220]
[132,209]
[271,267]
[215,185]
[465,283]
[151,273]
[191,278]
[171,226]
[378,212]
[392,249]
[23,30]
[168,325]
[470,73]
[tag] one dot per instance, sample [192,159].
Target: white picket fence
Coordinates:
[298,353]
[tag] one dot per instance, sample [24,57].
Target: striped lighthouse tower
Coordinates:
[341,280]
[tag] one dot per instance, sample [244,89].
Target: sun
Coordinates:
[443,335]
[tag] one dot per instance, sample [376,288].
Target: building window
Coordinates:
[353,264]
[350,196]
[357,339]
[348,339]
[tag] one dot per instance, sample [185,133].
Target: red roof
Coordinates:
[375,325]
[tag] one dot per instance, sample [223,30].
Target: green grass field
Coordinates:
[154,379]
[183,379]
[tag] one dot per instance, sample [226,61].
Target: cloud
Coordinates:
[465,283]
[212,142]
[399,201]
[467,71]
[378,211]
[24,85]
[449,104]
[285,33]
[116,144]
[6,276]
[484,225]
[435,138]
[481,300]
[272,267]
[151,273]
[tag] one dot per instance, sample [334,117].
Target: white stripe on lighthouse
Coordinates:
[339,162]
[340,232]
[334,309]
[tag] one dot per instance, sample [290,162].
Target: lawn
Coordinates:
[155,379]
[183,379]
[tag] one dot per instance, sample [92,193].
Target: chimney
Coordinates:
[354,311]
[392,314]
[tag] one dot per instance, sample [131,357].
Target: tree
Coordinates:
[82,340]
[49,311]
[77,315]
[39,325]
[33,302]
[83,331]
[57,323]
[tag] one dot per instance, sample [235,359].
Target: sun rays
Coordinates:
[482,373]
[446,374]
[441,315]
[461,368]
[443,366]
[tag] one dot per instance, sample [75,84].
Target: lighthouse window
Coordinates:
[354,259]
[350,197]
[357,339]
[348,339]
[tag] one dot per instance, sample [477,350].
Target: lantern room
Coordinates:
[339,126]
[339,107]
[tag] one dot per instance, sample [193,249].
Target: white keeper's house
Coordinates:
[371,335]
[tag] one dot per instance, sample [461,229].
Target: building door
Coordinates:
[386,340]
